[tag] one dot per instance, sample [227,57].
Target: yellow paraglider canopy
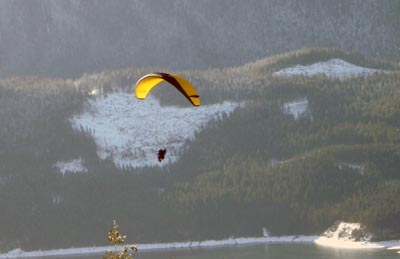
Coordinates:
[149,81]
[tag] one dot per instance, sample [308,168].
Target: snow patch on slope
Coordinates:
[72,166]
[357,167]
[347,235]
[334,68]
[56,199]
[130,131]
[296,107]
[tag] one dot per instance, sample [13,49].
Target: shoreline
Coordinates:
[317,240]
[18,253]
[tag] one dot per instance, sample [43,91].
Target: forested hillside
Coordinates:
[299,175]
[67,38]
[259,167]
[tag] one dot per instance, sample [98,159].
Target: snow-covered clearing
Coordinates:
[56,199]
[72,166]
[352,236]
[296,107]
[334,68]
[346,235]
[357,167]
[130,131]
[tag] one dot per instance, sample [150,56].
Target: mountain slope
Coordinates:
[261,166]
[67,38]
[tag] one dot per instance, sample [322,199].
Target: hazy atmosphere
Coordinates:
[68,38]
[255,129]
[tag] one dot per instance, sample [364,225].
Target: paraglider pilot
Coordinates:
[161,154]
[146,83]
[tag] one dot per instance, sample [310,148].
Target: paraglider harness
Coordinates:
[161,154]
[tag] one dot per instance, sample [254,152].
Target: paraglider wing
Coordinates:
[149,81]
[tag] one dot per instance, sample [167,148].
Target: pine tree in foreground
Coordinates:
[115,238]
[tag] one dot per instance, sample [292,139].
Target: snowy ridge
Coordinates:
[333,68]
[18,253]
[130,131]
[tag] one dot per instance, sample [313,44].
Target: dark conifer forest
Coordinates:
[258,167]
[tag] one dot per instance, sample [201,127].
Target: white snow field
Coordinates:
[130,131]
[357,167]
[296,107]
[72,166]
[343,237]
[333,68]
